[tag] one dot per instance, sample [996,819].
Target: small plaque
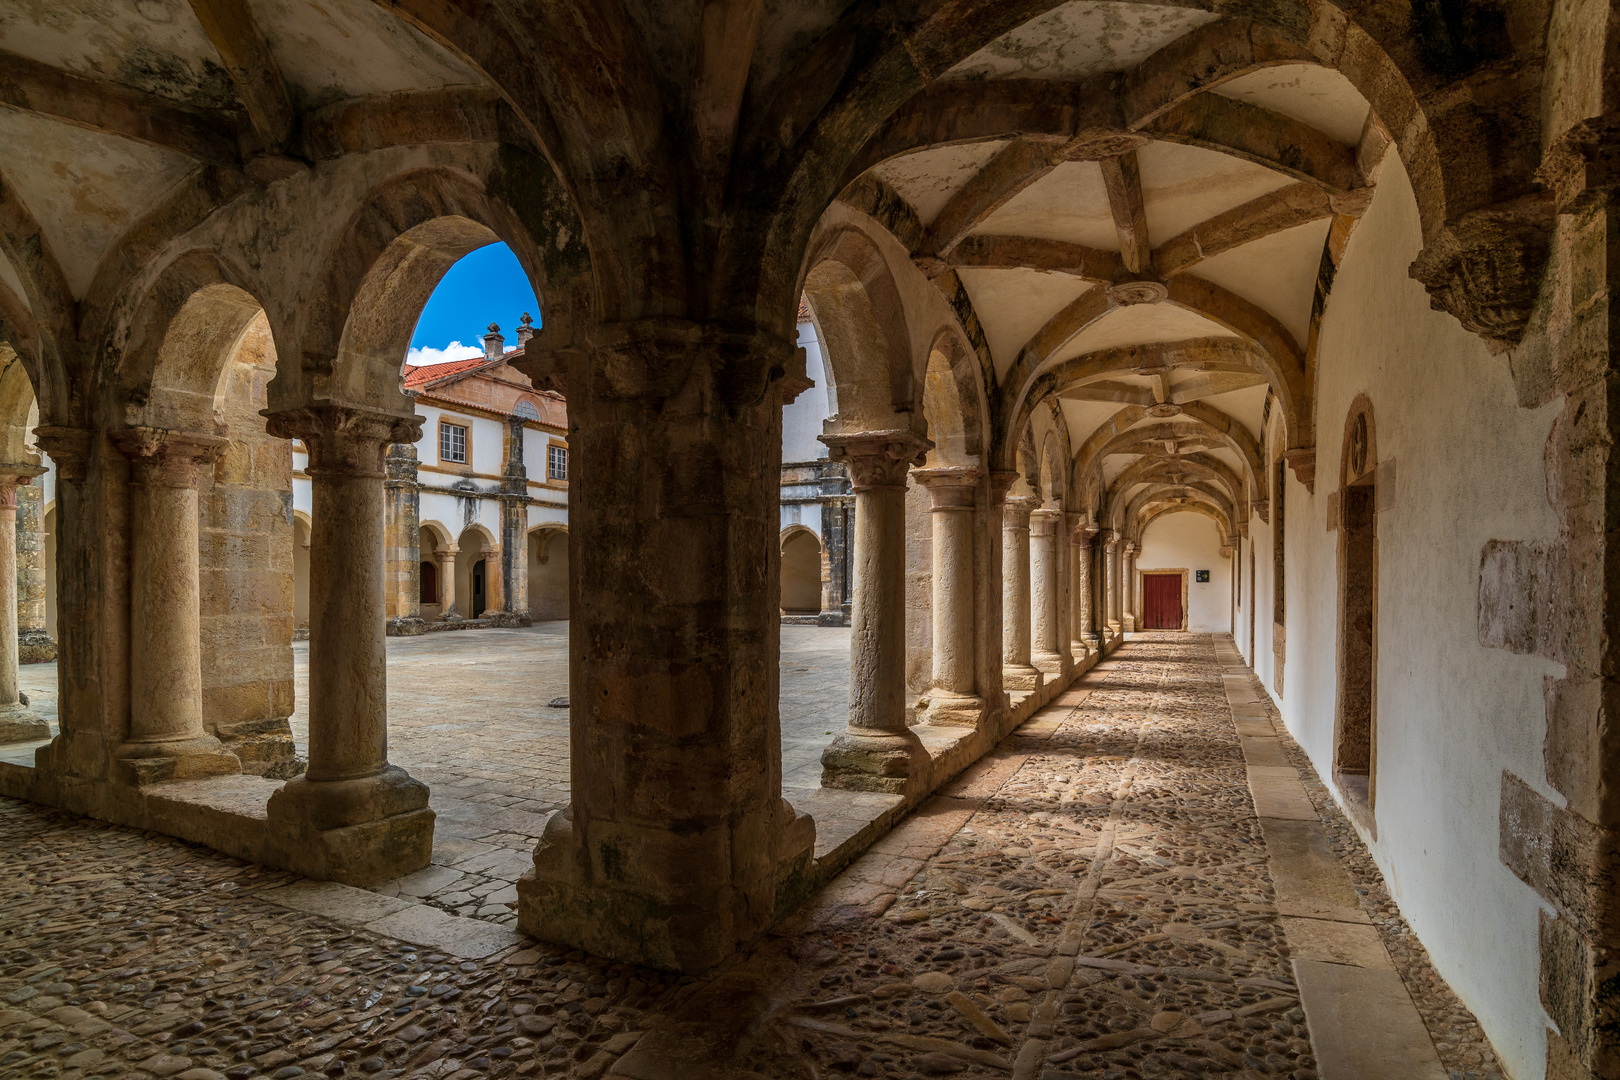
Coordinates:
[1203,575]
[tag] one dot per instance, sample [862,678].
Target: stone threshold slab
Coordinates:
[1363,1024]
[392,917]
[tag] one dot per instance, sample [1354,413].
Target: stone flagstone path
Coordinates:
[1098,898]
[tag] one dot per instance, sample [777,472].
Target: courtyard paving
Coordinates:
[1116,892]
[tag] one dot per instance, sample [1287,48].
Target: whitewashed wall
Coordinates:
[1190,542]
[1451,714]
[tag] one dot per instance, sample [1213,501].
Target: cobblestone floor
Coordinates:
[1090,900]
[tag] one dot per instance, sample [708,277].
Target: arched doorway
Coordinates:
[548,573]
[801,572]
[474,579]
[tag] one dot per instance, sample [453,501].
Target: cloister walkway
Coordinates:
[1146,880]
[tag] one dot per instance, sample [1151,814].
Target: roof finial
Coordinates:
[494,344]
[525,329]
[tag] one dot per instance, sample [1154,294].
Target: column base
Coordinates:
[1130,624]
[869,759]
[18,723]
[265,747]
[509,619]
[406,626]
[946,709]
[677,901]
[159,761]
[1050,665]
[35,647]
[832,618]
[358,832]
[1021,677]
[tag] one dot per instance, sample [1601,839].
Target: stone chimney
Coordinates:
[494,344]
[525,330]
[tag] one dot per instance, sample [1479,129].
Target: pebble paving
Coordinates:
[1091,900]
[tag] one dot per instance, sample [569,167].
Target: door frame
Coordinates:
[1141,590]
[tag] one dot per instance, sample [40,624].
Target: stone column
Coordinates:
[1043,593]
[352,816]
[18,723]
[514,499]
[676,842]
[1127,591]
[167,738]
[836,505]
[877,751]
[34,644]
[446,557]
[403,543]
[954,697]
[1111,582]
[1017,671]
[1084,592]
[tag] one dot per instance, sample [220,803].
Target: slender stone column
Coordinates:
[403,533]
[1085,591]
[352,816]
[1127,591]
[1043,593]
[1080,637]
[167,737]
[1017,671]
[34,644]
[954,698]
[18,723]
[1111,582]
[446,557]
[877,751]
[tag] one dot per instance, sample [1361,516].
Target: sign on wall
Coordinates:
[1201,575]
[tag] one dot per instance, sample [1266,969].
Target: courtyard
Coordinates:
[469,715]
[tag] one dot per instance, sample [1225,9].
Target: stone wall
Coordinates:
[246,533]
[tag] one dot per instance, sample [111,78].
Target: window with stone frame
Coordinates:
[557,462]
[452,443]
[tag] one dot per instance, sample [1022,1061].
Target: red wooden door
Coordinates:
[1161,601]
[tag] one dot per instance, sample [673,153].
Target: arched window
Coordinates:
[528,410]
[430,583]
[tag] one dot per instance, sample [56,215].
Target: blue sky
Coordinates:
[487,286]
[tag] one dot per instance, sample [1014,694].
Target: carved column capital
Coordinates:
[343,440]
[1016,510]
[168,458]
[1130,548]
[1044,521]
[1001,482]
[878,460]
[949,487]
[69,447]
[1111,542]
[1485,268]
[12,476]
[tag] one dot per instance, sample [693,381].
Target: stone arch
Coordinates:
[801,571]
[184,332]
[548,569]
[378,276]
[1222,524]
[861,323]
[953,401]
[476,544]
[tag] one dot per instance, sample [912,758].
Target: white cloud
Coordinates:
[420,357]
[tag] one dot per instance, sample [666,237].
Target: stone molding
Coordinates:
[950,487]
[878,460]
[1485,269]
[1303,461]
[1001,482]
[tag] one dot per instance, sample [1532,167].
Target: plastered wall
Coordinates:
[1451,714]
[1190,542]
